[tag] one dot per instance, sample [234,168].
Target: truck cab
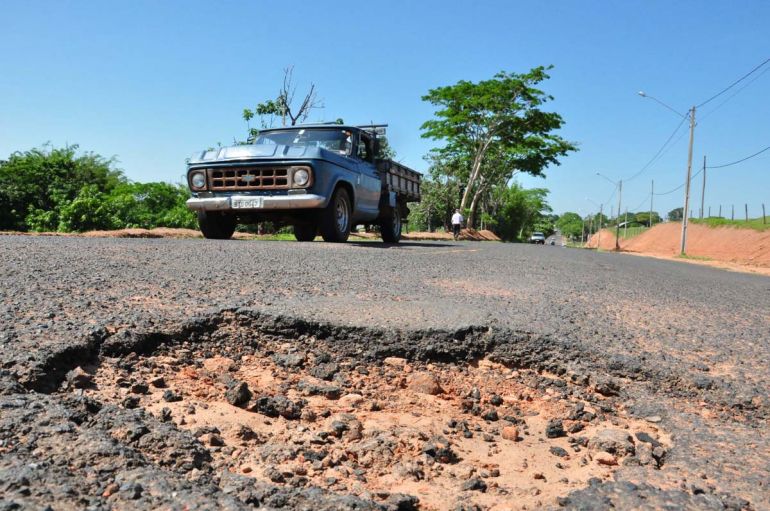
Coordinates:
[319,178]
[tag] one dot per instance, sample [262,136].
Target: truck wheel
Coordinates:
[216,226]
[390,227]
[305,232]
[335,219]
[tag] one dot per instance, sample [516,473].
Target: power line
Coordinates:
[641,203]
[739,161]
[682,185]
[736,82]
[720,105]
[660,151]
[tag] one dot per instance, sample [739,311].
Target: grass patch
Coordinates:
[753,223]
[694,258]
[631,232]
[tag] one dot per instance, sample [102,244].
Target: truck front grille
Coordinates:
[249,178]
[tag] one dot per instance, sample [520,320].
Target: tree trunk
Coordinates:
[475,171]
[475,203]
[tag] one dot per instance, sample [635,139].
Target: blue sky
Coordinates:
[152,81]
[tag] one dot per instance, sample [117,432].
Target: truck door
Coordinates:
[369,186]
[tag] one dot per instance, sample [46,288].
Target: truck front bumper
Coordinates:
[256,202]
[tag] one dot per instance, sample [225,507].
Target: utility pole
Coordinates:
[617,224]
[703,190]
[747,211]
[720,211]
[599,238]
[652,194]
[686,208]
[732,212]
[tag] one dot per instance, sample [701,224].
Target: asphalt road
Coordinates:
[688,343]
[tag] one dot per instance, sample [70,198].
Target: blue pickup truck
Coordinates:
[320,178]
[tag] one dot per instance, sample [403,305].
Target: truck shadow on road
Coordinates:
[403,244]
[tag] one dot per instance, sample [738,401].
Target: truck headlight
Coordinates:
[301,176]
[198,180]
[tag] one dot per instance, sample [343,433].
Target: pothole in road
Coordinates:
[295,413]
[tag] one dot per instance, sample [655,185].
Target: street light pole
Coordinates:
[687,184]
[617,224]
[652,194]
[599,230]
[686,210]
[703,190]
[619,184]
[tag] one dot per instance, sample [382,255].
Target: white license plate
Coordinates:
[250,203]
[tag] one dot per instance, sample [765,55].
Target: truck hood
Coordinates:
[257,152]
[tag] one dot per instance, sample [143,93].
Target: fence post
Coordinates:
[732,212]
[764,219]
[720,211]
[747,211]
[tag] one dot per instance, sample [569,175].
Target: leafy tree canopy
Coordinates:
[570,224]
[51,189]
[501,116]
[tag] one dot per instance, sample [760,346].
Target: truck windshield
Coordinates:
[331,139]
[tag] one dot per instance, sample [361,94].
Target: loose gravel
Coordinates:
[682,349]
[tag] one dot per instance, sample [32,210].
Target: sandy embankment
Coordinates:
[729,247]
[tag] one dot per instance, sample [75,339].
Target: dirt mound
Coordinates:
[606,237]
[465,234]
[159,232]
[723,244]
[729,244]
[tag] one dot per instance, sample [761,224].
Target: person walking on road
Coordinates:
[457,223]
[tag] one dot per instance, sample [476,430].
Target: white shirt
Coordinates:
[457,219]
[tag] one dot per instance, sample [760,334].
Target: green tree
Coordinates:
[90,210]
[150,205]
[570,224]
[439,199]
[36,184]
[675,215]
[283,106]
[52,189]
[521,211]
[502,115]
[644,218]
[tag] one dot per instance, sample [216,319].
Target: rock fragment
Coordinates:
[510,433]
[238,393]
[78,378]
[613,441]
[425,383]
[554,429]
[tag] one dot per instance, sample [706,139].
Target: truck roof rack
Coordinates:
[376,129]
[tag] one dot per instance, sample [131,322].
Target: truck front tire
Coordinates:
[305,232]
[335,219]
[216,226]
[390,227]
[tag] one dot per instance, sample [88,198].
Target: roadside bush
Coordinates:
[49,189]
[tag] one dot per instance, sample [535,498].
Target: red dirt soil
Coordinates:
[724,244]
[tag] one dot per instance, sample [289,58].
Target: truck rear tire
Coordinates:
[305,232]
[390,227]
[216,226]
[335,218]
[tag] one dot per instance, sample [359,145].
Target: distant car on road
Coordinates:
[538,238]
